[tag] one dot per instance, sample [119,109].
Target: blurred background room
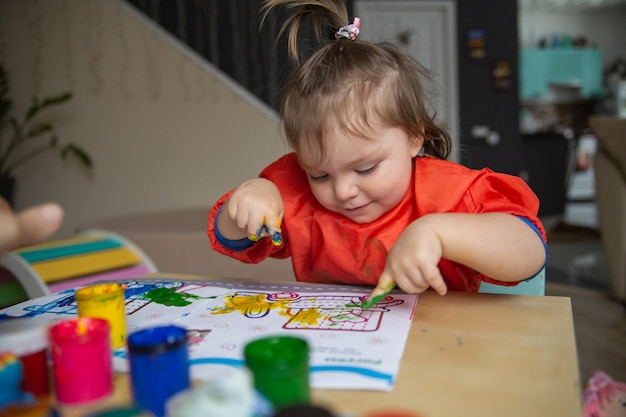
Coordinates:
[174,102]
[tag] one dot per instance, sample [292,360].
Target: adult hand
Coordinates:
[28,227]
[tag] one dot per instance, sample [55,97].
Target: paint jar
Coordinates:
[27,338]
[130,411]
[10,376]
[105,301]
[159,365]
[280,366]
[304,410]
[82,364]
[229,392]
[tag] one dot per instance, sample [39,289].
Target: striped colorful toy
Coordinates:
[93,255]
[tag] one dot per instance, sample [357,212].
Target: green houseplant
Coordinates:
[23,138]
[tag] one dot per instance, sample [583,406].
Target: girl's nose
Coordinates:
[345,189]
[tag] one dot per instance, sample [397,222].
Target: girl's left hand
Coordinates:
[413,259]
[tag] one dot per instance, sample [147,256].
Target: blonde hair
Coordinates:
[350,83]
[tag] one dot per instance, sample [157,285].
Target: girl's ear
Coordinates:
[416,144]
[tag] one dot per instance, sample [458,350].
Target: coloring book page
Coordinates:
[351,348]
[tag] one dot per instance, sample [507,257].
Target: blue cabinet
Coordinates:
[541,67]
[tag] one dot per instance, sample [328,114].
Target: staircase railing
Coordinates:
[227,33]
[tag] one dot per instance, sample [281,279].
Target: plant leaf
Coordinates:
[38,106]
[39,130]
[18,131]
[77,152]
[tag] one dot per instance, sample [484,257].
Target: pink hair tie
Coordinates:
[351,31]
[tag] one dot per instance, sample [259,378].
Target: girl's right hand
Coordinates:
[256,207]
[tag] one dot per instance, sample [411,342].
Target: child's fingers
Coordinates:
[259,214]
[436,282]
[273,229]
[276,236]
[256,229]
[269,228]
[419,279]
[385,284]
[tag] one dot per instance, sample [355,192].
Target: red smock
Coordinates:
[326,247]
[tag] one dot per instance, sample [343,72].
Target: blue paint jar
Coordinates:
[159,365]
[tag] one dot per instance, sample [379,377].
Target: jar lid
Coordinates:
[99,292]
[276,352]
[132,411]
[303,410]
[23,336]
[157,340]
[79,330]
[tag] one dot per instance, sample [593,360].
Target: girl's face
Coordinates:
[363,177]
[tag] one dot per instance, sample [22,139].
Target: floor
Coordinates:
[577,269]
[600,329]
[575,252]
[576,255]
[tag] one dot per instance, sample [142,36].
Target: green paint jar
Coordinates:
[131,411]
[280,367]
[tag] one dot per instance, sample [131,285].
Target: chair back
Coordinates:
[93,255]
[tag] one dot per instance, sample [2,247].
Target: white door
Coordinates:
[427,29]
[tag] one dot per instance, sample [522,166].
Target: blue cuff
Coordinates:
[545,245]
[239,244]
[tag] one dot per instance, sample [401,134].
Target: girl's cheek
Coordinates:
[318,192]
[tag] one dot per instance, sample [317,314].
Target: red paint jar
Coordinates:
[27,338]
[82,364]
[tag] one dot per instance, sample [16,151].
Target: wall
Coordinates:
[605,28]
[162,126]
[165,129]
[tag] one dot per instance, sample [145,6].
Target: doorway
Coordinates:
[427,29]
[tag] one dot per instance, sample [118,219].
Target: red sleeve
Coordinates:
[444,186]
[449,187]
[496,192]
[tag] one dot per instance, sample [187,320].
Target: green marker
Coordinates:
[373,300]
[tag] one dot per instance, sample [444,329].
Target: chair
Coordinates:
[93,255]
[610,183]
[532,286]
[11,291]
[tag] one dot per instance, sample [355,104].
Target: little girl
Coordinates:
[368,197]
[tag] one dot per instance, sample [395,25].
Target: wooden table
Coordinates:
[466,355]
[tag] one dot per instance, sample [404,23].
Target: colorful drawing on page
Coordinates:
[317,312]
[351,347]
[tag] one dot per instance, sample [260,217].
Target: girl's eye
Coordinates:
[320,177]
[367,170]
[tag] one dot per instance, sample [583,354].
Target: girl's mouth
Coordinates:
[357,209]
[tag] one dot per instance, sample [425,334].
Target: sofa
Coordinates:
[610,184]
